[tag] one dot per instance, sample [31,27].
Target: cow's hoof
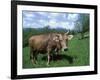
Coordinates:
[36,62]
[33,62]
[47,64]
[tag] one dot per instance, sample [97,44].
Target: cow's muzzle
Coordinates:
[66,49]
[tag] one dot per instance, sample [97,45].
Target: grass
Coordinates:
[77,55]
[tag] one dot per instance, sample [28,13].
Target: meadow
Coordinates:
[77,55]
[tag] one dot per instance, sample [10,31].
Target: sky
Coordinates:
[35,19]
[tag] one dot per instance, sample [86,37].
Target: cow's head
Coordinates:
[64,38]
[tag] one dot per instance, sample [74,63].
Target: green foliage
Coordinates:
[77,55]
[83,24]
[85,21]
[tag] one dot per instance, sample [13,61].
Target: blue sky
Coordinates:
[32,19]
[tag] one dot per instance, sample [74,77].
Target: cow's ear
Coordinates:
[67,33]
[70,37]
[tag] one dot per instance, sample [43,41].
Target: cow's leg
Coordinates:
[48,60]
[31,55]
[35,56]
[48,55]
[58,51]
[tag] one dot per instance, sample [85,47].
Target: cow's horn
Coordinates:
[67,32]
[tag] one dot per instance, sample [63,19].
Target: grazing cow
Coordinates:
[47,43]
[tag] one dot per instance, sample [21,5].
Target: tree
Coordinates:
[82,24]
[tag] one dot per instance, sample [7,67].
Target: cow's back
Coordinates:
[38,41]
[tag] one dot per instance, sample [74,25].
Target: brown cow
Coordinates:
[46,43]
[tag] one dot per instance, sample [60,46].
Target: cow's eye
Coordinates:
[66,39]
[60,40]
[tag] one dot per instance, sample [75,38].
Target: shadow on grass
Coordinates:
[56,57]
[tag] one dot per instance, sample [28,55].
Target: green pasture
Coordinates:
[77,55]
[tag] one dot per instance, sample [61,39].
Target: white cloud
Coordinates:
[52,23]
[71,26]
[42,13]
[67,25]
[28,19]
[53,15]
[64,25]
[72,17]
[29,14]
[27,25]
[35,25]
[43,22]
[54,20]
[64,16]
